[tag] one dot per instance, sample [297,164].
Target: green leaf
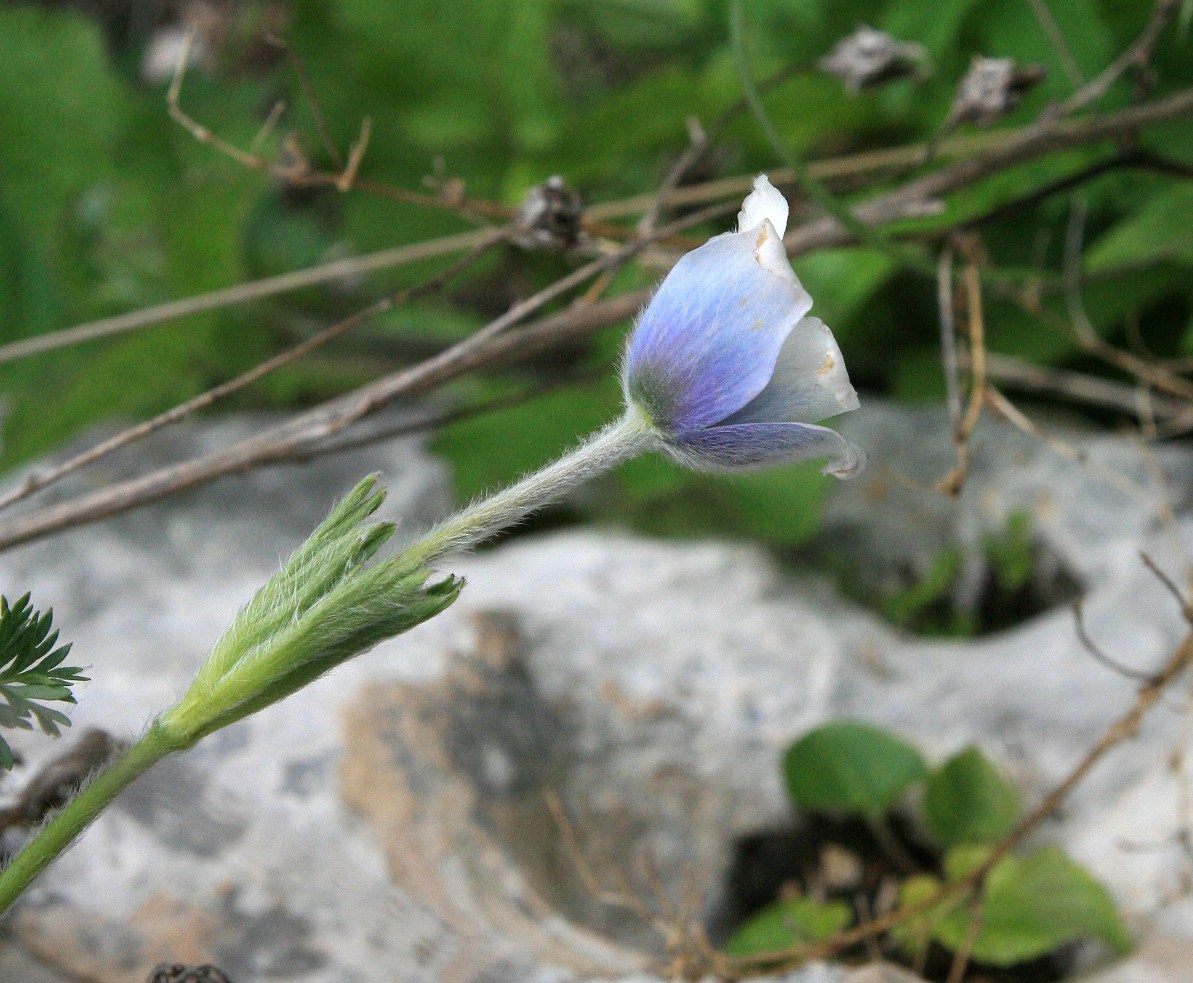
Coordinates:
[1036,903]
[1031,906]
[851,767]
[968,801]
[788,922]
[1158,229]
[31,672]
[62,109]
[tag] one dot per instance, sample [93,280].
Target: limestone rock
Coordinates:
[546,783]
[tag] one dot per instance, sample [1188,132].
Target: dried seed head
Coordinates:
[549,217]
[868,57]
[992,88]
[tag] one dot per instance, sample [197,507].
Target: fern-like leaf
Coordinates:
[32,673]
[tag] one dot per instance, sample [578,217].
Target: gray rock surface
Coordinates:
[538,785]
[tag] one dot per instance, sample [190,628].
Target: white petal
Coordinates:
[851,464]
[809,383]
[771,253]
[762,204]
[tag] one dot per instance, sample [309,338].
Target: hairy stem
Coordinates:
[65,827]
[629,436]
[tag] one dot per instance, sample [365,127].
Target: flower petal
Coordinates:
[809,382]
[761,204]
[740,446]
[707,343]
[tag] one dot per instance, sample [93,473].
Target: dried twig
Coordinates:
[281,442]
[312,97]
[964,951]
[1098,653]
[1059,42]
[1023,145]
[243,293]
[1137,55]
[1019,374]
[999,403]
[953,482]
[298,171]
[948,336]
[49,476]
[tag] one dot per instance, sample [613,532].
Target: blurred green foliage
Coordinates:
[107,206]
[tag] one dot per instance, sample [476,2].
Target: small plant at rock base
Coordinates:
[32,673]
[1024,908]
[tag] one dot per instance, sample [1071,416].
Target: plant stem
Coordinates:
[179,727]
[627,437]
[56,835]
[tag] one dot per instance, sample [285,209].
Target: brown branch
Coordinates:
[965,951]
[304,80]
[952,483]
[243,293]
[1099,655]
[299,174]
[818,234]
[948,336]
[1059,42]
[282,441]
[1137,55]
[49,476]
[1024,145]
[1019,374]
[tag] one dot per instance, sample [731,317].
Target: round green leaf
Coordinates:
[788,922]
[851,767]
[968,801]
[1031,906]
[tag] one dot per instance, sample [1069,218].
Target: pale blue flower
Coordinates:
[726,365]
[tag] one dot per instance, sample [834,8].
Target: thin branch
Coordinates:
[304,80]
[817,234]
[279,443]
[351,441]
[1018,419]
[1023,145]
[953,482]
[270,124]
[1074,237]
[298,173]
[244,293]
[964,951]
[1047,380]
[43,479]
[1182,597]
[1098,653]
[1059,41]
[948,336]
[1137,55]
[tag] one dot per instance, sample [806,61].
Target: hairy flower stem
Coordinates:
[56,835]
[605,449]
[314,614]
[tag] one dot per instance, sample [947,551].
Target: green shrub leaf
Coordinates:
[788,922]
[1031,906]
[968,801]
[851,767]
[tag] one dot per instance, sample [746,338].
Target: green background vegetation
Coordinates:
[107,206]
